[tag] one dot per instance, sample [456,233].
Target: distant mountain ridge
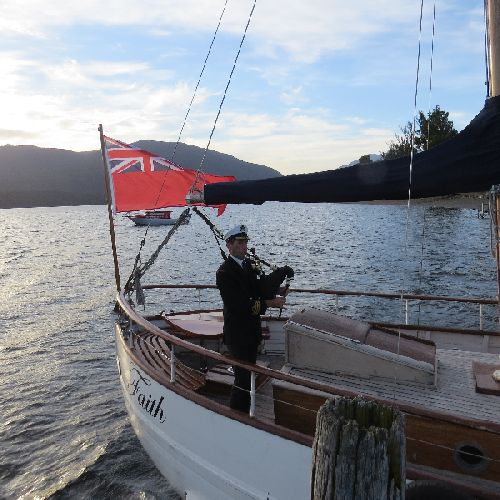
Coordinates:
[31,176]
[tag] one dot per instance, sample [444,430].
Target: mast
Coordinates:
[110,211]
[493,48]
[493,58]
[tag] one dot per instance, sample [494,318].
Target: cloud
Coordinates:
[317,84]
[298,142]
[293,96]
[7,135]
[306,30]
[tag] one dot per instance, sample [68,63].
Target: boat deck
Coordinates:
[200,375]
[449,427]
[454,394]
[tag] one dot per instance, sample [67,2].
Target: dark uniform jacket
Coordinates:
[240,289]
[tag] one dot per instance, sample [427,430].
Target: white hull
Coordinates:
[143,221]
[207,455]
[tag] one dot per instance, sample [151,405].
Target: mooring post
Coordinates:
[359,451]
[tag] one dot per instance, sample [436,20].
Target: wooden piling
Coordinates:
[358,451]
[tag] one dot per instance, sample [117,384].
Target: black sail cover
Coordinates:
[469,162]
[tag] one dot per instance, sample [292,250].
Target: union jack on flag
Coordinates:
[140,180]
[124,158]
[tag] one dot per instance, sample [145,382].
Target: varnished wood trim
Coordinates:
[440,329]
[416,472]
[214,406]
[353,293]
[329,389]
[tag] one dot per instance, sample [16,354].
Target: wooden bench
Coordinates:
[206,325]
[156,353]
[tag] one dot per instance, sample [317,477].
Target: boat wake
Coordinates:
[116,470]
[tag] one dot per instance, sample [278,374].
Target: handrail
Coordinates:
[355,293]
[318,386]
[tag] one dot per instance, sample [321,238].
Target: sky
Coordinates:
[317,84]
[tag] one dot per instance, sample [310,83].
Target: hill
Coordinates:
[31,176]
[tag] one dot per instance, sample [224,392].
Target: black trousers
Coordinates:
[240,392]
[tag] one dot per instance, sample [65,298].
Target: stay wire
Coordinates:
[199,172]
[427,148]
[199,80]
[143,241]
[219,236]
[415,108]
[215,231]
[430,76]
[141,270]
[412,142]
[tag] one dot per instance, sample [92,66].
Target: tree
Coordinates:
[435,130]
[431,131]
[401,146]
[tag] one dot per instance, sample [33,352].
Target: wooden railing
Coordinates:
[407,297]
[135,318]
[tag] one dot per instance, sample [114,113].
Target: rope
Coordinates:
[415,103]
[138,257]
[219,236]
[215,231]
[199,80]
[421,265]
[427,148]
[412,142]
[139,271]
[430,76]
[199,172]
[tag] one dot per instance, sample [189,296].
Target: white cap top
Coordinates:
[240,231]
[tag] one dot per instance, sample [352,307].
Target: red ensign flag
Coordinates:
[141,180]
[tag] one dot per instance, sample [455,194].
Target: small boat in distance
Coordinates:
[153,218]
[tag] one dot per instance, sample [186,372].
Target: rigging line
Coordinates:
[218,235]
[199,80]
[412,142]
[182,129]
[142,269]
[415,111]
[421,265]
[448,448]
[427,148]
[199,171]
[430,76]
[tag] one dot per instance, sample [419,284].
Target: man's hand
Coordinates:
[288,272]
[278,302]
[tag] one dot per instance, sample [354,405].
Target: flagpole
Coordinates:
[110,211]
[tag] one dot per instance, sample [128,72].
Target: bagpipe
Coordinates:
[270,283]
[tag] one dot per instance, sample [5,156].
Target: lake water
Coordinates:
[64,431]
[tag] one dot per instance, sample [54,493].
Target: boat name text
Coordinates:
[138,384]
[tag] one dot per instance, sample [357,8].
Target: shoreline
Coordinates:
[472,201]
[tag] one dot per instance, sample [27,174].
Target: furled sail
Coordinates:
[469,162]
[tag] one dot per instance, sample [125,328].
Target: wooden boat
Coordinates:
[153,218]
[176,377]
